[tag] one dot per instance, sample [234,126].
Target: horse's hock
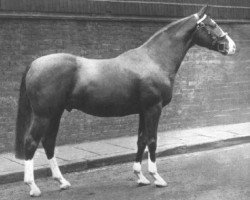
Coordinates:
[209,89]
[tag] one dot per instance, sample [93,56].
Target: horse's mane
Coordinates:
[170,28]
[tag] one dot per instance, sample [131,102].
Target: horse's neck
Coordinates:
[169,47]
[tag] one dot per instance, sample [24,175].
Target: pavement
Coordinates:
[83,156]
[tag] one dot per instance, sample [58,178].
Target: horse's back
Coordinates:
[51,63]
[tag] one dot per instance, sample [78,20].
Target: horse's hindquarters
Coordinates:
[49,82]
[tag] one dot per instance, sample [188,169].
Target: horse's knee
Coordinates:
[142,142]
[151,144]
[49,146]
[49,150]
[141,145]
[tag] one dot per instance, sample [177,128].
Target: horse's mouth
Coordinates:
[223,49]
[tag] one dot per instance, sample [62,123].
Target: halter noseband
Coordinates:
[217,33]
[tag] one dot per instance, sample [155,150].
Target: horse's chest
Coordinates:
[156,89]
[166,94]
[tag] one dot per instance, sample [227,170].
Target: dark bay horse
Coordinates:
[139,81]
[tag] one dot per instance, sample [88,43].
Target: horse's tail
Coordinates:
[23,118]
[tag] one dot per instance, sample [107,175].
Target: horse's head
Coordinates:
[208,34]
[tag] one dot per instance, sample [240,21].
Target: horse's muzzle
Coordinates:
[226,49]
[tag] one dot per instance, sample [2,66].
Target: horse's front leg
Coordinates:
[57,175]
[141,145]
[152,116]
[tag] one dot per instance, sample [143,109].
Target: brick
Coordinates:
[207,85]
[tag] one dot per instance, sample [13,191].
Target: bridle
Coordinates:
[216,33]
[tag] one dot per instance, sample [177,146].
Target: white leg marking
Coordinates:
[29,178]
[57,175]
[159,182]
[142,180]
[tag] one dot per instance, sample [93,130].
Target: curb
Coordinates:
[82,165]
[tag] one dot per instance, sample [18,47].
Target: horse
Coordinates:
[138,81]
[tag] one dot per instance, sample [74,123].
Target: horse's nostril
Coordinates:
[234,48]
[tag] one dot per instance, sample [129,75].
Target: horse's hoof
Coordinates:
[160,184]
[65,185]
[143,182]
[35,192]
[159,181]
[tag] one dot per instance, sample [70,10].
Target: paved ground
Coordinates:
[220,174]
[84,156]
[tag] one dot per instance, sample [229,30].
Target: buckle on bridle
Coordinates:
[224,34]
[200,25]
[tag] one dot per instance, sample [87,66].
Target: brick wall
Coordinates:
[210,89]
[221,9]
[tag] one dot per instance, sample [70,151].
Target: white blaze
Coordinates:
[231,45]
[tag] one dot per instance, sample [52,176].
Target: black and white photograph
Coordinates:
[125,99]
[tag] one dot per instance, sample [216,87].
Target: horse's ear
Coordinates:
[202,11]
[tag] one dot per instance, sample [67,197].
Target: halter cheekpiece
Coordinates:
[217,33]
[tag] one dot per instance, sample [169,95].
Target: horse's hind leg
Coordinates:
[48,141]
[152,116]
[141,145]
[37,126]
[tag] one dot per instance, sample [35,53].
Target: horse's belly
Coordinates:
[107,108]
[103,110]
[106,100]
